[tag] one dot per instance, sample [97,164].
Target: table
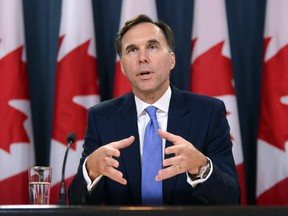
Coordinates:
[56,210]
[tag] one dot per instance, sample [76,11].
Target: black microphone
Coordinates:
[71,137]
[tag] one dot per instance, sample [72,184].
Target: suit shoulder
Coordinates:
[200,99]
[107,105]
[111,105]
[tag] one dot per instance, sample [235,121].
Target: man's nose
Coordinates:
[143,57]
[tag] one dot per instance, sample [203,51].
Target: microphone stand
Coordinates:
[70,139]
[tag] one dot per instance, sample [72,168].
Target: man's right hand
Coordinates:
[101,161]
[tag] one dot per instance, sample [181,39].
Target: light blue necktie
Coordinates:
[151,161]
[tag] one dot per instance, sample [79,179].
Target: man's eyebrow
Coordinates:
[153,41]
[129,46]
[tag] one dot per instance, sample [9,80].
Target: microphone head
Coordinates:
[71,137]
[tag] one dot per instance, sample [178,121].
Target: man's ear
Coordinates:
[122,68]
[172,60]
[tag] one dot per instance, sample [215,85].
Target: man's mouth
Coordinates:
[145,73]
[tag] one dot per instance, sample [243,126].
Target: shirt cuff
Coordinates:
[198,181]
[90,184]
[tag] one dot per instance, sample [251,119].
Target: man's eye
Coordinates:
[152,46]
[131,50]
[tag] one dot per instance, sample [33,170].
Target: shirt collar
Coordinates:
[162,104]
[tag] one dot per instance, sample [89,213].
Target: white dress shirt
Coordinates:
[142,120]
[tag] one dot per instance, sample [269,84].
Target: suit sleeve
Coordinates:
[77,193]
[222,186]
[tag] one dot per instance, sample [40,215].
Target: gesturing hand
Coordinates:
[187,158]
[101,161]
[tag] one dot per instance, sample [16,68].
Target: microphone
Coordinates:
[71,137]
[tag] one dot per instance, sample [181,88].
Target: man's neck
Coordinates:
[150,97]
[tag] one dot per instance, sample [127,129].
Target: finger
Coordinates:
[176,149]
[124,143]
[171,161]
[116,175]
[170,137]
[168,173]
[109,161]
[110,151]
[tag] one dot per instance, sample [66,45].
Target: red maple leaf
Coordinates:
[13,86]
[276,195]
[76,76]
[274,114]
[211,73]
[227,114]
[121,84]
[193,45]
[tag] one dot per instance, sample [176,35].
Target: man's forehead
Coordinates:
[143,31]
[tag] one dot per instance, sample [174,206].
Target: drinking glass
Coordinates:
[39,184]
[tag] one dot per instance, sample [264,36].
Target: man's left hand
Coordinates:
[186,157]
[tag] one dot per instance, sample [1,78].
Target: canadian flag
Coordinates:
[211,69]
[16,142]
[77,87]
[129,9]
[272,152]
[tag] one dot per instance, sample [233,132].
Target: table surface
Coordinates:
[57,210]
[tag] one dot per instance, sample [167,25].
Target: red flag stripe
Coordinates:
[16,146]
[76,88]
[211,69]
[272,177]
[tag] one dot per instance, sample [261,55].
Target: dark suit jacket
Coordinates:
[198,119]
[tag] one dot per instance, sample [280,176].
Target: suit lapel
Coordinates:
[125,127]
[178,125]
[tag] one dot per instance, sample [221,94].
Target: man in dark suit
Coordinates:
[197,166]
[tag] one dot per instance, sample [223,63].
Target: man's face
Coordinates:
[146,59]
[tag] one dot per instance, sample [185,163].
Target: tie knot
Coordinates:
[151,110]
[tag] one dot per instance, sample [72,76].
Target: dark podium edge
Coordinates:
[31,210]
